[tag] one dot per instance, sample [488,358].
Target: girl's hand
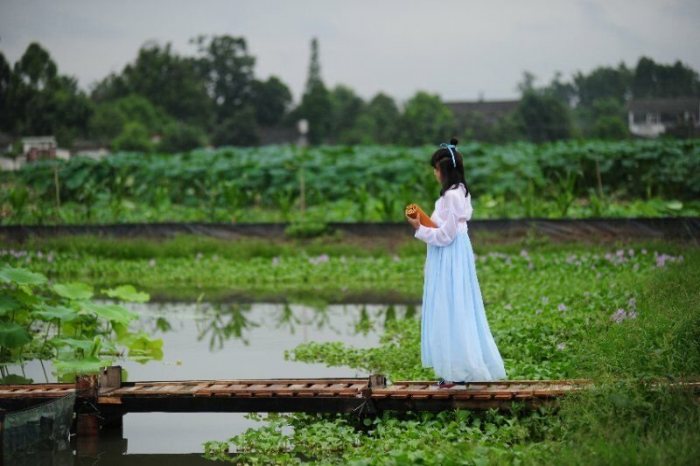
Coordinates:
[415,222]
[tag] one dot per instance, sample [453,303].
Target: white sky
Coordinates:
[455,48]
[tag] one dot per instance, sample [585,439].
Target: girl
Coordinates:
[455,337]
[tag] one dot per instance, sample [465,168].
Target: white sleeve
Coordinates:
[451,209]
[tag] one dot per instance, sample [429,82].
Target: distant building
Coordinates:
[652,117]
[42,147]
[92,149]
[278,135]
[491,111]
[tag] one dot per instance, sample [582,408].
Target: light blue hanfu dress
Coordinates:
[455,337]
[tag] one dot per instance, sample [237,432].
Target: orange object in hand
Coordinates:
[413,211]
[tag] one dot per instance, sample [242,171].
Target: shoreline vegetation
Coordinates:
[625,314]
[362,270]
[629,329]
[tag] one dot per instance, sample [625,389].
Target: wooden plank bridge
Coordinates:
[102,400]
[107,392]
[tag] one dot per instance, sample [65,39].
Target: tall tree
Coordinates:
[603,83]
[378,122]
[271,101]
[168,80]
[40,101]
[543,117]
[658,80]
[111,117]
[5,81]
[345,109]
[426,120]
[315,103]
[227,69]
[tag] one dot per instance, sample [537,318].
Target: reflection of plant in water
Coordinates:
[60,322]
[364,324]
[229,321]
[287,318]
[410,312]
[163,324]
[321,317]
[389,314]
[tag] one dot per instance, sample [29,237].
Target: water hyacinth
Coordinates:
[562,307]
[561,346]
[322,259]
[275,261]
[662,259]
[621,315]
[27,256]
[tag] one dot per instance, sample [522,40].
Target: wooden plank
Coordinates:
[214,388]
[109,400]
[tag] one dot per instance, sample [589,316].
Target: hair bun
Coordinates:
[454,141]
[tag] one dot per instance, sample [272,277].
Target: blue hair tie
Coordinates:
[451,148]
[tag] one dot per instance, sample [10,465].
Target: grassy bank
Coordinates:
[625,315]
[626,348]
[187,267]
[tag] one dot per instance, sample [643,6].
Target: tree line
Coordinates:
[214,97]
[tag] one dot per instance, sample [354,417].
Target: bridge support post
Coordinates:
[94,421]
[368,407]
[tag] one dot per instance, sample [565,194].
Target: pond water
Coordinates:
[228,341]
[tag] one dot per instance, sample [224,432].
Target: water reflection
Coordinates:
[227,341]
[228,321]
[261,331]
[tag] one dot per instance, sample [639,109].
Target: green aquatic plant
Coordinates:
[61,322]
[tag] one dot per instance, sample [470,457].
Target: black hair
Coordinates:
[450,174]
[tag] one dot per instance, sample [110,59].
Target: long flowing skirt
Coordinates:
[455,337]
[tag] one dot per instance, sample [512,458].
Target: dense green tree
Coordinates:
[180,137]
[5,79]
[346,107]
[271,100]
[227,68]
[42,102]
[658,80]
[36,69]
[603,83]
[566,92]
[238,130]
[543,117]
[426,120]
[315,103]
[167,80]
[134,137]
[377,123]
[110,117]
[608,119]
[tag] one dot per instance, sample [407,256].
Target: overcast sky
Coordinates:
[457,49]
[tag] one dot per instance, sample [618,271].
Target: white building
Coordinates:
[42,147]
[653,117]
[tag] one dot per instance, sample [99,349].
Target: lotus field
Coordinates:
[569,179]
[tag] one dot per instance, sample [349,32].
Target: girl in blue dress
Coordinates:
[455,337]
